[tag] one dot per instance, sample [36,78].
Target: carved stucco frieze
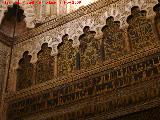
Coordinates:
[126,93]
[82,74]
[120,10]
[117,8]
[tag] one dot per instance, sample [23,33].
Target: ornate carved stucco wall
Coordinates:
[4,55]
[118,86]
[55,29]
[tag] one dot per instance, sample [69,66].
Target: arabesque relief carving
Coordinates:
[66,56]
[25,72]
[88,48]
[113,42]
[97,84]
[44,64]
[109,81]
[92,51]
[140,30]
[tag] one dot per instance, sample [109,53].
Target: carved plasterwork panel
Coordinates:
[100,87]
[4,56]
[66,57]
[3,59]
[119,9]
[45,64]
[88,49]
[140,30]
[113,42]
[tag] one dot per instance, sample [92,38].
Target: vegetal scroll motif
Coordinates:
[66,56]
[88,48]
[45,64]
[113,42]
[140,31]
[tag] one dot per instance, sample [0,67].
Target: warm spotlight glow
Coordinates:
[86,2]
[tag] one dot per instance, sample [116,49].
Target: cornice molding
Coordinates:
[51,24]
